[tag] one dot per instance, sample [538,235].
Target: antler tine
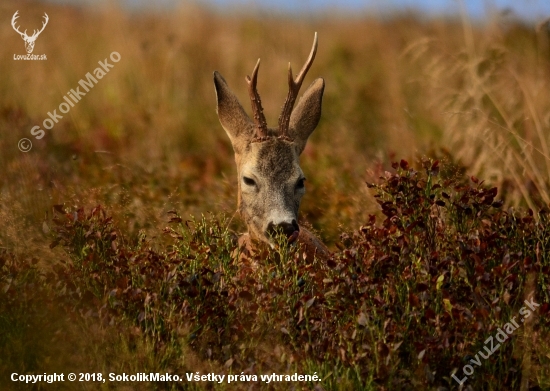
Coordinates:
[37,32]
[13,19]
[293,90]
[257,110]
[45,22]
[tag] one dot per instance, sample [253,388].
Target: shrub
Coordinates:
[404,303]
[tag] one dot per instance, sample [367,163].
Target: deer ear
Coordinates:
[232,116]
[306,115]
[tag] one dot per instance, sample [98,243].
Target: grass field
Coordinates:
[116,251]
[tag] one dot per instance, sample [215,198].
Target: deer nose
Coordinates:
[288,229]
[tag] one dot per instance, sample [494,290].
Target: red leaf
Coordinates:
[413,300]
[246,295]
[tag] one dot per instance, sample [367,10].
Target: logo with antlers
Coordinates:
[29,41]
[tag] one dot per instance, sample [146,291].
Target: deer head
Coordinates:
[29,41]
[270,181]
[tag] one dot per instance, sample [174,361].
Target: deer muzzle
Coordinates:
[290,230]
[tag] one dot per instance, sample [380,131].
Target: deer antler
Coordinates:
[257,110]
[13,19]
[36,34]
[293,90]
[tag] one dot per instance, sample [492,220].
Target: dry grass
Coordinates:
[146,138]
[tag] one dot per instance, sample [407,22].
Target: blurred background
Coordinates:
[525,9]
[463,81]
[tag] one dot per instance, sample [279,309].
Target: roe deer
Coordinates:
[270,181]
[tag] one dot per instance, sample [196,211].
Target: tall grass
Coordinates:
[491,93]
[146,140]
[406,86]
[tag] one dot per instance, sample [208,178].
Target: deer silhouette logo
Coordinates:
[29,40]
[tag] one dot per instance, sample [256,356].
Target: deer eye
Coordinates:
[249,181]
[301,183]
